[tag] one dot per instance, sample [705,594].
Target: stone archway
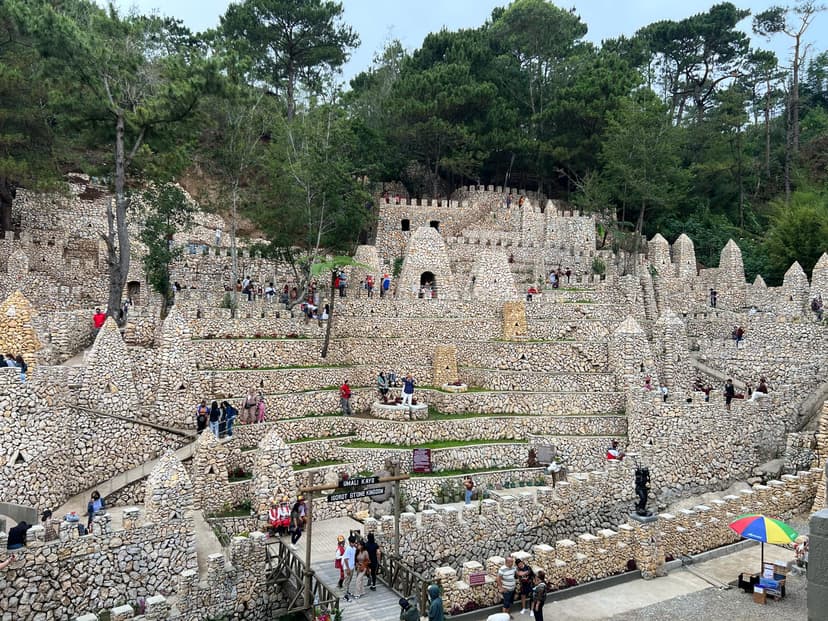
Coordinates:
[428,285]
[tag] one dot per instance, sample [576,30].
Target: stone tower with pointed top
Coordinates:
[819,278]
[491,276]
[730,279]
[108,384]
[684,257]
[272,472]
[16,333]
[169,491]
[630,356]
[658,253]
[795,291]
[210,477]
[426,260]
[514,321]
[179,383]
[673,352]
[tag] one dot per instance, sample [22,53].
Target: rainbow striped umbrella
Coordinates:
[763,529]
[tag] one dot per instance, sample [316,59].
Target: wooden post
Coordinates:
[396,471]
[308,571]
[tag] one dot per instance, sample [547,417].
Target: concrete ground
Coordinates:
[683,594]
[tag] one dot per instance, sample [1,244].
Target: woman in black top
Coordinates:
[215,417]
[374,556]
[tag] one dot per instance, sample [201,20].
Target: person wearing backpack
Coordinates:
[201,416]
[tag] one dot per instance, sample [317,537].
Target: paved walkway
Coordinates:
[616,601]
[379,605]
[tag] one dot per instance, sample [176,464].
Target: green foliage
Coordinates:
[797,233]
[599,266]
[398,265]
[167,212]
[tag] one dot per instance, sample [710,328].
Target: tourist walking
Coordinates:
[345,398]
[468,484]
[215,418]
[348,562]
[526,582]
[435,608]
[363,566]
[539,595]
[261,408]
[408,390]
[374,556]
[338,555]
[230,414]
[202,411]
[729,393]
[506,582]
[250,405]
[408,610]
[664,392]
[298,517]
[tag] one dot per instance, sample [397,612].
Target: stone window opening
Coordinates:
[428,286]
[182,387]
[111,389]
[405,224]
[435,224]
[522,356]
[19,458]
[134,291]
[210,470]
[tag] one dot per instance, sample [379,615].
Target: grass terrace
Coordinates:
[437,444]
[318,464]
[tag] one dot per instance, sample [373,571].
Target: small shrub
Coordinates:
[599,266]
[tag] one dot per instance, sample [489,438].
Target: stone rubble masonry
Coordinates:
[819,278]
[491,277]
[210,474]
[514,320]
[606,551]
[16,333]
[818,566]
[795,291]
[272,471]
[108,384]
[445,365]
[179,388]
[426,254]
[169,492]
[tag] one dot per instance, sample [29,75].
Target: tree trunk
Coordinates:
[7,194]
[234,253]
[767,130]
[795,99]
[327,341]
[118,254]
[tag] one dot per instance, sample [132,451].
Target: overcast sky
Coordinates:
[376,21]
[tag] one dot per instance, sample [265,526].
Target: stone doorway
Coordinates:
[428,286]
[134,291]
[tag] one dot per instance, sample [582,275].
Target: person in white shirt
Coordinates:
[348,562]
[506,583]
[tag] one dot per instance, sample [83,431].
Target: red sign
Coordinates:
[477,579]
[421,460]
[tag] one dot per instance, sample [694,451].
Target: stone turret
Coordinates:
[108,384]
[16,333]
[759,282]
[674,352]
[169,491]
[210,474]
[684,257]
[179,383]
[491,277]
[514,321]
[795,290]
[730,281]
[630,357]
[819,278]
[426,261]
[658,253]
[272,471]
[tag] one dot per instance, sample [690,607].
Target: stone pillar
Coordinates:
[684,257]
[630,357]
[730,281]
[818,567]
[649,549]
[169,492]
[444,365]
[272,472]
[210,474]
[795,291]
[658,253]
[819,278]
[514,321]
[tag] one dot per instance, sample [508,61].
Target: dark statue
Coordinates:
[642,490]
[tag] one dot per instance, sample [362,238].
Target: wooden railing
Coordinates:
[286,568]
[403,580]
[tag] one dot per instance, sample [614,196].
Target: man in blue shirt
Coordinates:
[408,390]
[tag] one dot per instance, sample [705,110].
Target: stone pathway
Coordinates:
[379,605]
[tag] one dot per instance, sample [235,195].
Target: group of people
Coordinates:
[384,385]
[368,284]
[358,562]
[519,578]
[221,417]
[284,519]
[17,362]
[753,394]
[556,277]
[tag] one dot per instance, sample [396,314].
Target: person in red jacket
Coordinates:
[98,320]
[345,398]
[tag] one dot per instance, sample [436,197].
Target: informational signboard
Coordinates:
[477,579]
[359,482]
[353,495]
[421,461]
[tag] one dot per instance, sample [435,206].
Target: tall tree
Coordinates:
[293,42]
[136,77]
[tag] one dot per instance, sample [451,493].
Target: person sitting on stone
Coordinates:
[761,390]
[382,386]
[614,452]
[94,506]
[17,536]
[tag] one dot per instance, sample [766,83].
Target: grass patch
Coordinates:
[247,449]
[439,444]
[301,440]
[317,464]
